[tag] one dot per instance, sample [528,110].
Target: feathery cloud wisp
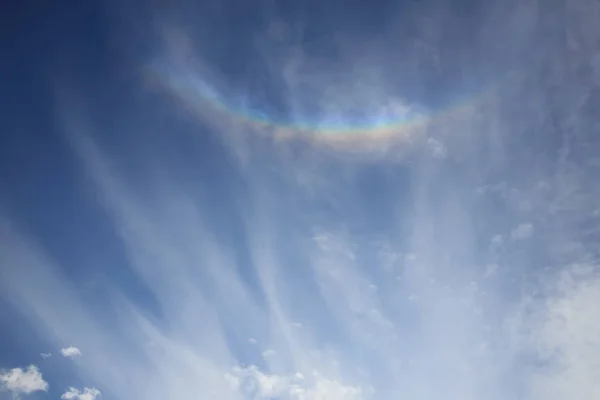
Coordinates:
[357,275]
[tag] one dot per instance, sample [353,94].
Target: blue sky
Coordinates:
[324,200]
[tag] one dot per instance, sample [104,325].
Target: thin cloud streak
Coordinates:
[449,344]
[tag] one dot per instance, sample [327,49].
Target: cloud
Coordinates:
[23,381]
[522,232]
[365,277]
[566,338]
[424,332]
[76,394]
[437,148]
[256,385]
[45,355]
[70,352]
[269,353]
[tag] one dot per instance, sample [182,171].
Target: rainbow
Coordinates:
[204,100]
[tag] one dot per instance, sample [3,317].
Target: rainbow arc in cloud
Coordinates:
[397,123]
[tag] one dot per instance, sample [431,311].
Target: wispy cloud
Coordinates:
[287,271]
[332,314]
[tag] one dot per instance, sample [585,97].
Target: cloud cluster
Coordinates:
[23,381]
[255,384]
[76,394]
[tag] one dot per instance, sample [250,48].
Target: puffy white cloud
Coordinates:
[70,352]
[23,381]
[76,394]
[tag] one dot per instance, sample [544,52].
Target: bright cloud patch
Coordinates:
[567,340]
[522,232]
[76,394]
[23,381]
[70,352]
[257,385]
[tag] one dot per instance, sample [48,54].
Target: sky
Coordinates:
[261,200]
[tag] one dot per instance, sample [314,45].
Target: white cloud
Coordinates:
[269,353]
[522,232]
[45,355]
[437,148]
[566,338]
[497,241]
[76,394]
[344,321]
[23,381]
[257,385]
[70,352]
[425,332]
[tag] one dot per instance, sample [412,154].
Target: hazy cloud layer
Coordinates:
[233,258]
